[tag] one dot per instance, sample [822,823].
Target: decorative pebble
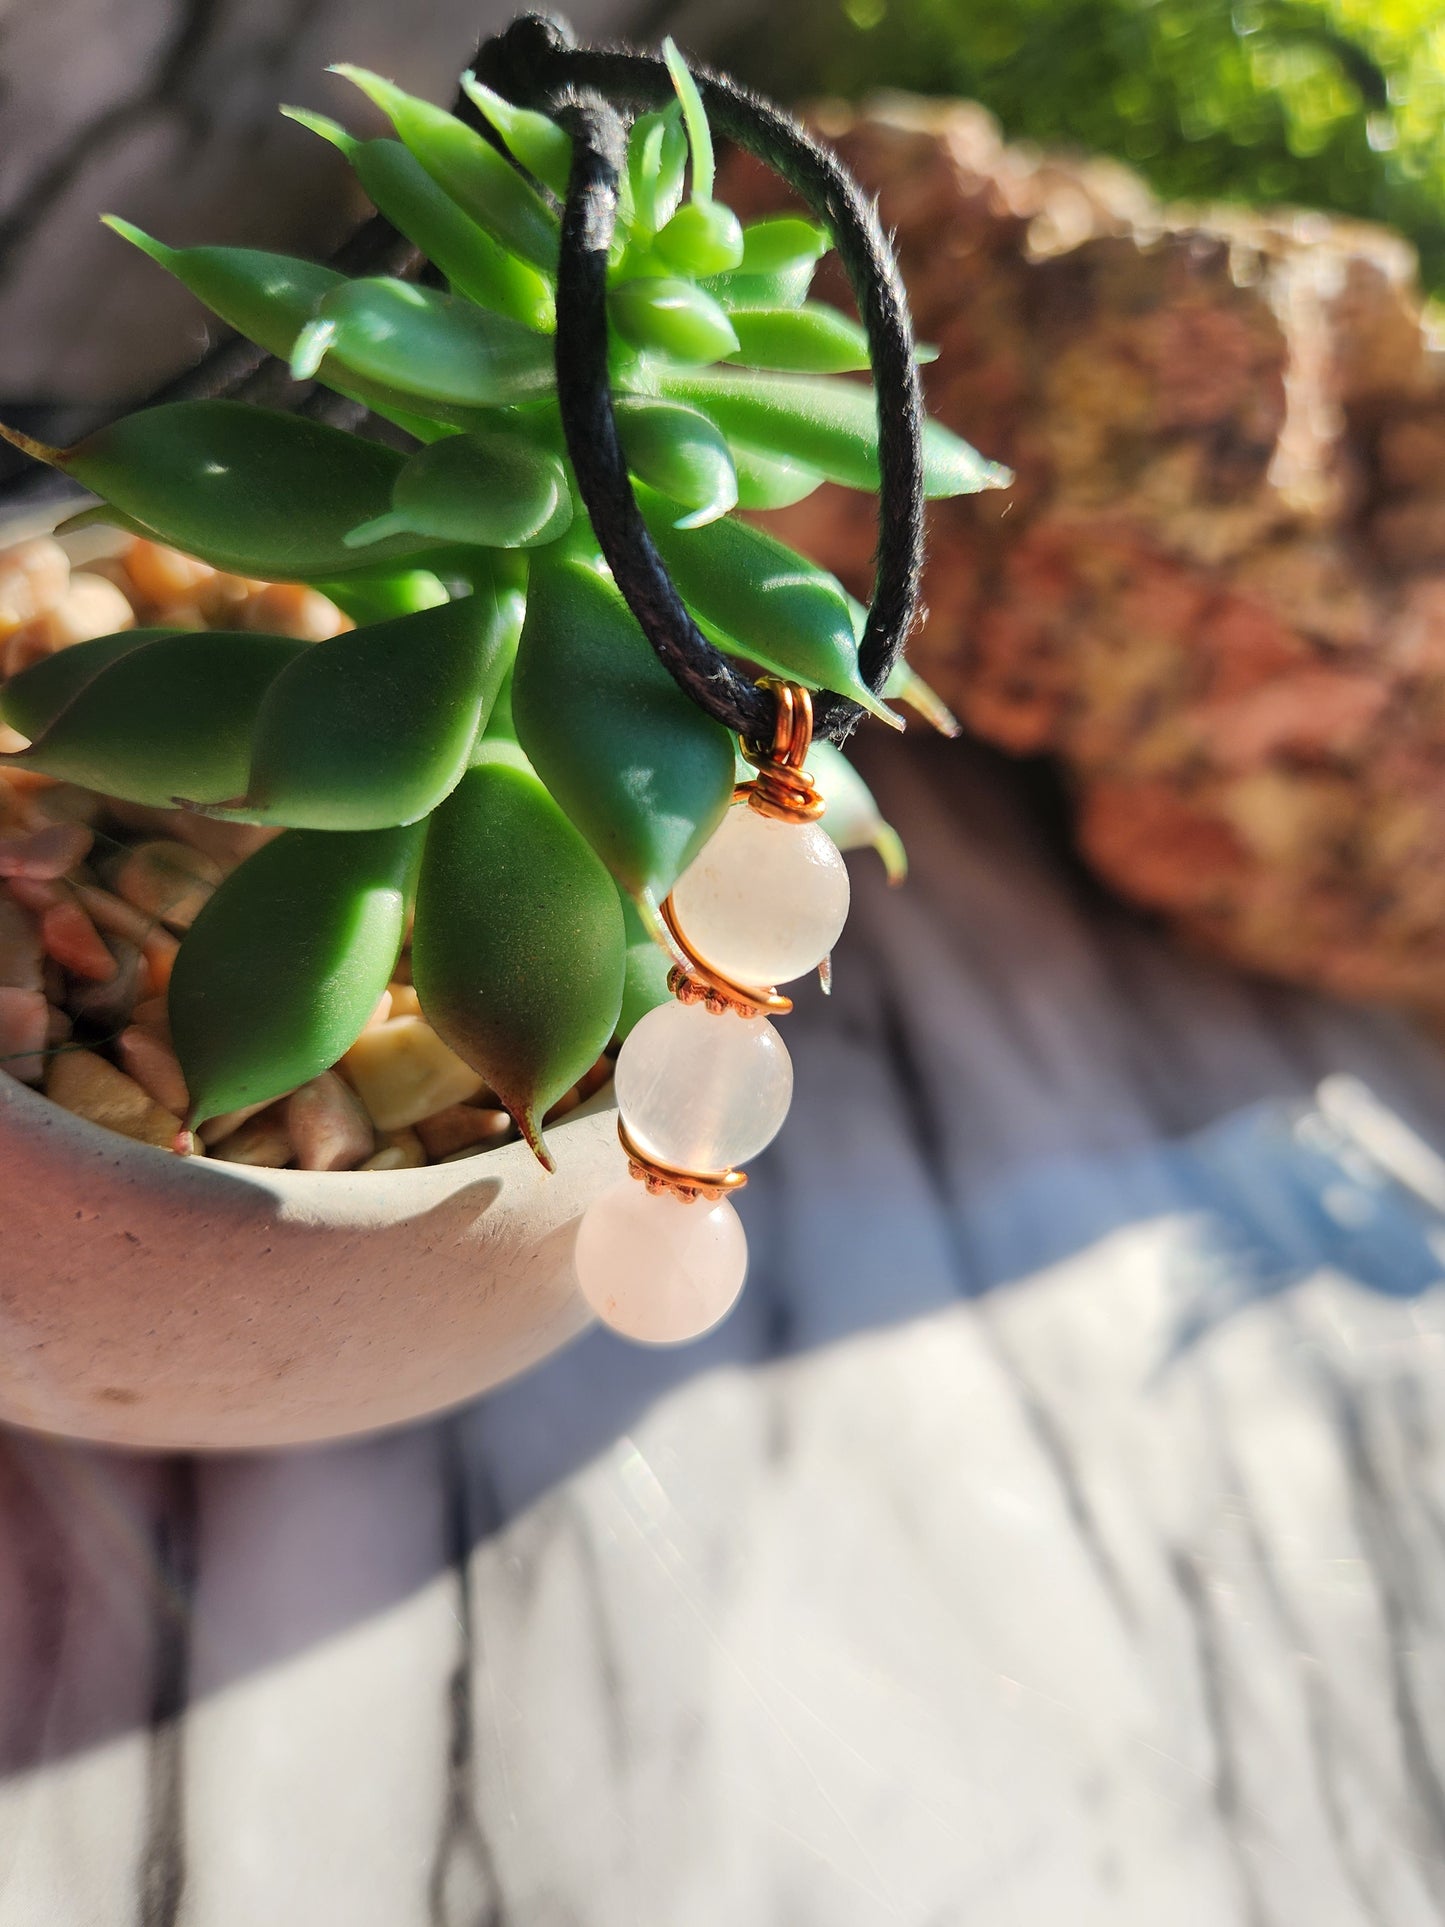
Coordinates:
[80,1081]
[461,1127]
[46,853]
[288,609]
[20,947]
[262,1141]
[397,1151]
[657,1270]
[168,880]
[90,607]
[154,1066]
[163,576]
[764,901]
[24,1033]
[73,940]
[327,1125]
[107,1006]
[34,576]
[403,1072]
[703,1092]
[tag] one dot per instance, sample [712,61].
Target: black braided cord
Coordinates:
[535,64]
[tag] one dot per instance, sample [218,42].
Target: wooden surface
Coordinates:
[1054,1537]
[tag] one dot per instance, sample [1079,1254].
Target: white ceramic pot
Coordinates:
[155,1301]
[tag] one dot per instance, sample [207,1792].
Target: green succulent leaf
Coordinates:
[31,700]
[543,148]
[267,297]
[830,426]
[664,315]
[482,181]
[518,948]
[250,490]
[680,453]
[285,963]
[656,168]
[374,728]
[496,491]
[771,481]
[644,774]
[694,117]
[645,973]
[427,347]
[170,718]
[776,270]
[702,238]
[475,264]
[853,818]
[810,340]
[386,593]
[763,601]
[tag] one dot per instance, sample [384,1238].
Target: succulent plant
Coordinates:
[494,751]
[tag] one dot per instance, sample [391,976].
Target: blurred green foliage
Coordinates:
[1334,104]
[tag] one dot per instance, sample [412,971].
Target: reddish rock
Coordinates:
[1216,591]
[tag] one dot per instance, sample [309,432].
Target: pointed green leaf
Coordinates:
[285,963]
[266,297]
[771,481]
[852,817]
[480,180]
[644,774]
[694,115]
[31,700]
[518,948]
[495,491]
[763,601]
[671,317]
[171,718]
[543,148]
[830,425]
[680,453]
[429,347]
[702,238]
[475,264]
[811,339]
[656,167]
[777,266]
[252,490]
[375,727]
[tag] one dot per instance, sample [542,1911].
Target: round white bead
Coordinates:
[703,1092]
[763,901]
[657,1270]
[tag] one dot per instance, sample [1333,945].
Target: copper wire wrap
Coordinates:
[687,1186]
[782,787]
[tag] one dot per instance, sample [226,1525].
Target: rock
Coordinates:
[34,576]
[168,880]
[263,1141]
[289,609]
[85,1083]
[24,1033]
[150,1060]
[396,1151]
[460,1126]
[403,1072]
[90,607]
[328,1125]
[46,853]
[106,1007]
[1216,592]
[21,952]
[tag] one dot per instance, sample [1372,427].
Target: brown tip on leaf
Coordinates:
[526,1122]
[27,444]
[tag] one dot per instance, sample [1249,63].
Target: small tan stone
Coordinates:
[460,1125]
[216,1130]
[403,1072]
[34,576]
[80,1081]
[74,942]
[396,1151]
[163,576]
[263,1141]
[404,1001]
[21,953]
[24,1032]
[90,607]
[289,609]
[154,1066]
[328,1125]
[168,880]
[107,1006]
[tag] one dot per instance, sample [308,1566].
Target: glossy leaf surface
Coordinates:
[172,718]
[671,317]
[31,700]
[644,774]
[251,490]
[831,426]
[375,727]
[518,947]
[425,346]
[495,491]
[285,963]
[680,453]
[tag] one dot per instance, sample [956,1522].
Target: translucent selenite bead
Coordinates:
[656,1269]
[703,1092]
[764,901]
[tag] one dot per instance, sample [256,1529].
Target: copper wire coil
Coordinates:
[782,787]
[687,1186]
[696,982]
